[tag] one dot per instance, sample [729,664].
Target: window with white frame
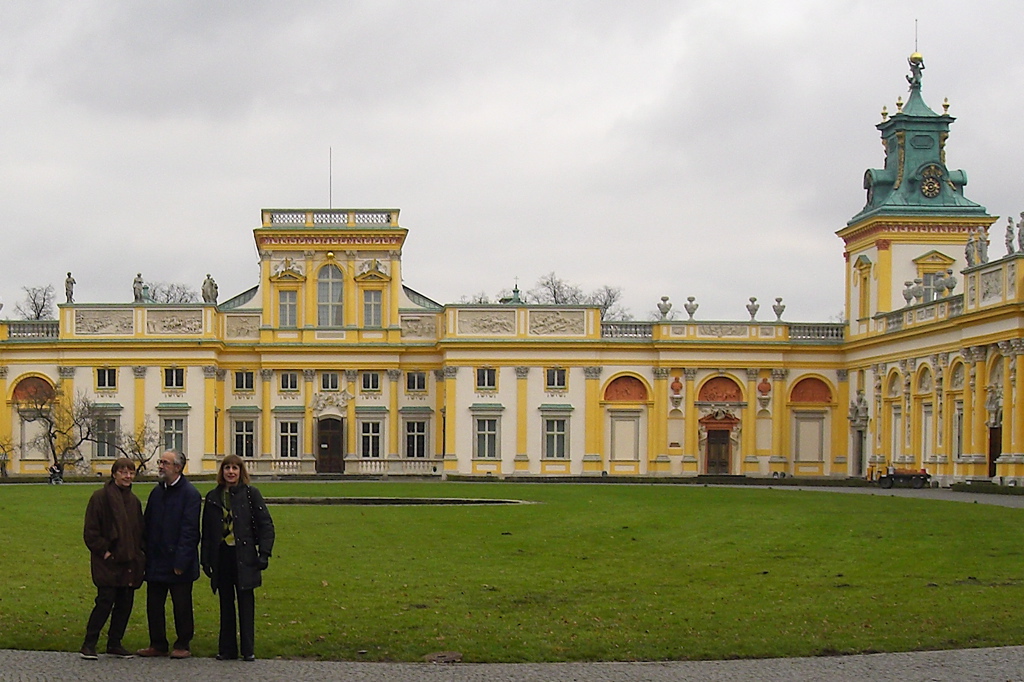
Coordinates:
[370,438]
[289,381]
[106,379]
[174,378]
[416,438]
[330,289]
[244,432]
[288,308]
[288,438]
[372,308]
[329,381]
[244,380]
[554,379]
[106,430]
[556,437]
[416,382]
[173,430]
[371,382]
[485,442]
[486,379]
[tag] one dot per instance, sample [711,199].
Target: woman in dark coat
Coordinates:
[113,533]
[238,538]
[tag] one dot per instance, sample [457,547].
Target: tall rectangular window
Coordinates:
[289,381]
[486,432]
[555,433]
[372,308]
[243,381]
[288,308]
[174,378]
[174,433]
[288,432]
[416,438]
[486,379]
[415,382]
[371,382]
[369,444]
[330,287]
[329,381]
[106,379]
[245,438]
[106,437]
[554,379]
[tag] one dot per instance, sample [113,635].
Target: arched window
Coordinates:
[329,294]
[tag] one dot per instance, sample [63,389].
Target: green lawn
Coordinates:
[593,572]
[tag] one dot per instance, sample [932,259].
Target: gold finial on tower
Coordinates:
[885,113]
[899,104]
[945,105]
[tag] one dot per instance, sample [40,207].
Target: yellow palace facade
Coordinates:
[330,365]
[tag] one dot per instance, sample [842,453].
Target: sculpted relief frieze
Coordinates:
[104,322]
[242,326]
[487,322]
[991,285]
[557,322]
[719,330]
[419,326]
[174,322]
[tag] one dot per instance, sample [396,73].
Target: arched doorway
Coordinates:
[720,401]
[331,446]
[626,398]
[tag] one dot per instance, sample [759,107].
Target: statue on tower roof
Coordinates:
[916,62]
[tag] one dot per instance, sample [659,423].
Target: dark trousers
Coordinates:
[227,588]
[114,603]
[181,600]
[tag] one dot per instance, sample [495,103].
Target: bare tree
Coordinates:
[7,450]
[478,297]
[554,290]
[609,300]
[140,445]
[67,424]
[38,303]
[172,292]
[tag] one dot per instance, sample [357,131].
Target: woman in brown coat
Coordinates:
[113,534]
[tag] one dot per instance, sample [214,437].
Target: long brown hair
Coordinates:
[243,474]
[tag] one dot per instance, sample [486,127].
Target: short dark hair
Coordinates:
[243,474]
[121,463]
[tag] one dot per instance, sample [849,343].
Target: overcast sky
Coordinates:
[702,148]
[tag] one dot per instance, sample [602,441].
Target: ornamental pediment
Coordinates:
[372,270]
[287,270]
[934,258]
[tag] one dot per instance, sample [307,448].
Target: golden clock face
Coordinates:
[930,187]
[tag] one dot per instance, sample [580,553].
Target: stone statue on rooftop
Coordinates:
[69,288]
[209,290]
[1020,233]
[1009,235]
[137,285]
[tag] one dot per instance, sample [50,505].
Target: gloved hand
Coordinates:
[263,562]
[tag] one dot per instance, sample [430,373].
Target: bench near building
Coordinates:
[330,365]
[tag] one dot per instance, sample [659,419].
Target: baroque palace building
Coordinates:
[331,365]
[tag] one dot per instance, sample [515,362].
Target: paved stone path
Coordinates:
[984,665]
[1003,664]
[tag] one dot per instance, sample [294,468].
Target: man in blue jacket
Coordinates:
[172,556]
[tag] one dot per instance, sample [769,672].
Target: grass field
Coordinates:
[592,572]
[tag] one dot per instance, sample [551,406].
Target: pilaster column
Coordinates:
[139,389]
[748,443]
[5,424]
[690,414]
[267,420]
[394,375]
[1009,379]
[658,441]
[395,271]
[594,426]
[522,417]
[351,435]
[352,302]
[840,427]
[308,423]
[308,297]
[208,408]
[440,444]
[980,374]
[780,416]
[1016,403]
[451,411]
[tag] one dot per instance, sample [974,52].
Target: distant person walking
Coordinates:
[113,534]
[238,538]
[172,556]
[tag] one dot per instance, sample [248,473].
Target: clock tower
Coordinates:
[916,221]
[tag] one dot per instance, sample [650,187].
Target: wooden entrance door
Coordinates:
[331,452]
[995,448]
[718,453]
